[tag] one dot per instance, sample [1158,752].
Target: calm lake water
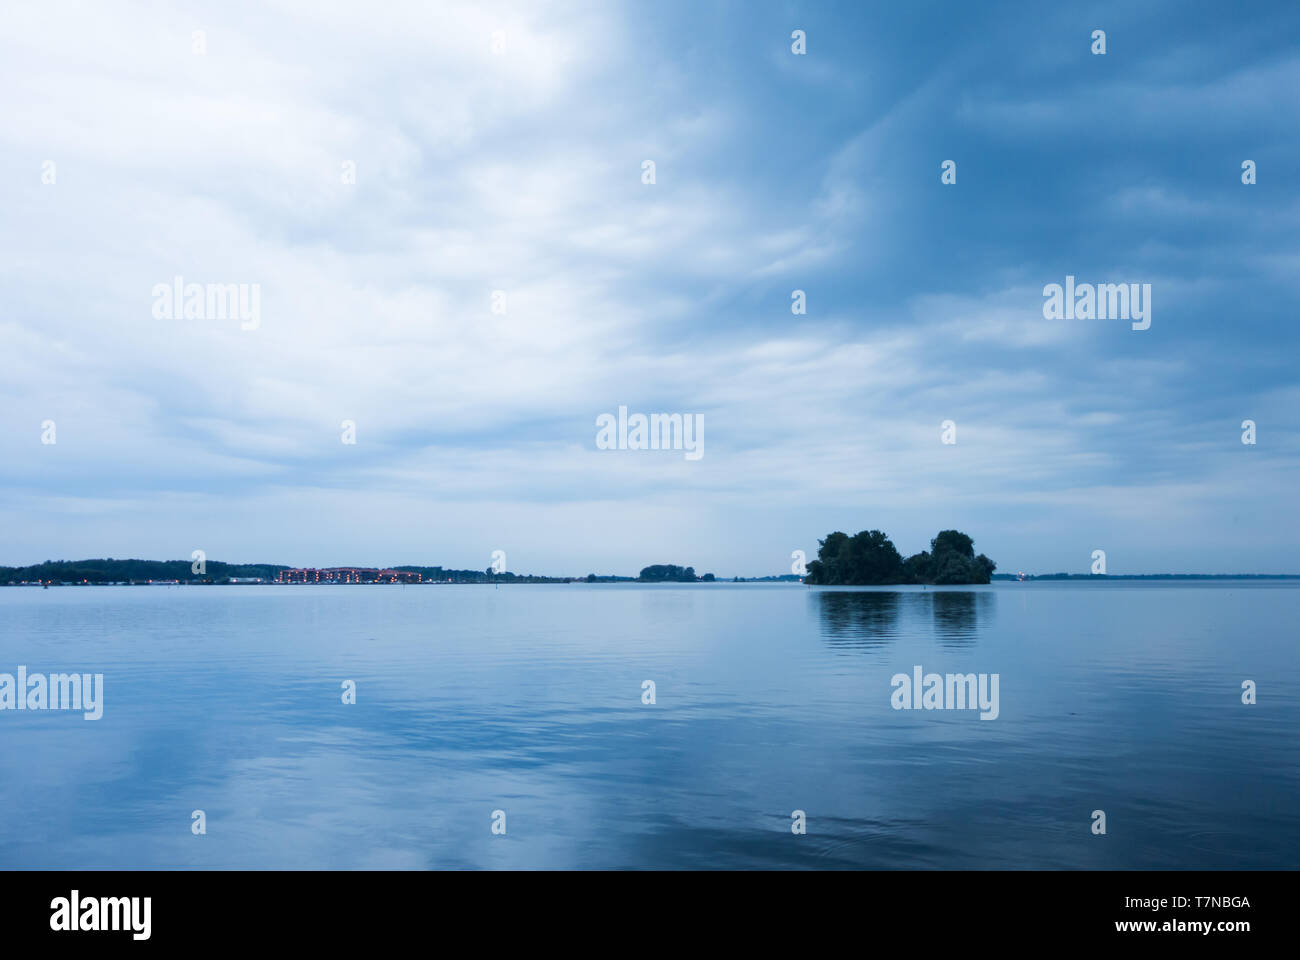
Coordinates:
[1122,697]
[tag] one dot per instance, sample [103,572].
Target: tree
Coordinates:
[953,541]
[918,568]
[867,557]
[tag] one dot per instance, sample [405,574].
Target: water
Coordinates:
[1123,697]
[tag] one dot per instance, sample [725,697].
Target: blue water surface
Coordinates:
[1124,697]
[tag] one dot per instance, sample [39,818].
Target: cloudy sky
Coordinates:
[501,147]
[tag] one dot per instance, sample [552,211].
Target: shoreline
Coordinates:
[551,581]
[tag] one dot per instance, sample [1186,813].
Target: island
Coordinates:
[671,573]
[869,558]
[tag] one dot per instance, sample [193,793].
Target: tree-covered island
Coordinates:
[868,558]
[671,573]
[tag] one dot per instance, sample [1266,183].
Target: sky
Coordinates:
[444,209]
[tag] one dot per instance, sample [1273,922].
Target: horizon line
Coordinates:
[487,572]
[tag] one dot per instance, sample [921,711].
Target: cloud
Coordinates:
[520,172]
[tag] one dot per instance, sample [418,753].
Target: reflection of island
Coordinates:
[869,558]
[957,614]
[872,618]
[859,619]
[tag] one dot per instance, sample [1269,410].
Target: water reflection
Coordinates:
[873,618]
[865,620]
[957,615]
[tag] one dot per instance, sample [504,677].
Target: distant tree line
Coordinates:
[444,575]
[134,571]
[110,570]
[869,557]
[142,571]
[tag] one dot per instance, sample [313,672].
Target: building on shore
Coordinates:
[347,575]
